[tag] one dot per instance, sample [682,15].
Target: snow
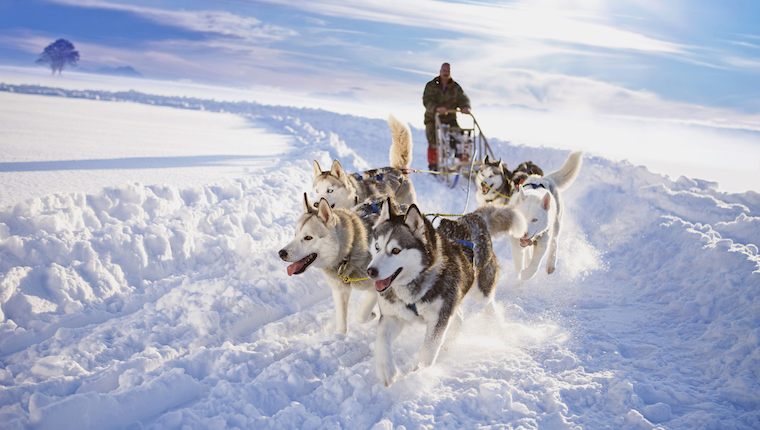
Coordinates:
[140,285]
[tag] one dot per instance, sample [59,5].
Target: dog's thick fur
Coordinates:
[344,190]
[497,184]
[539,200]
[334,240]
[422,273]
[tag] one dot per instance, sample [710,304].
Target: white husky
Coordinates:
[334,240]
[539,201]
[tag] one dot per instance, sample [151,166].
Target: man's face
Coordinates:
[445,72]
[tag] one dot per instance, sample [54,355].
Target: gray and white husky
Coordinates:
[539,201]
[344,190]
[497,184]
[422,273]
[334,240]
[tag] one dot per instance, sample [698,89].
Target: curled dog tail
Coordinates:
[401,148]
[502,219]
[566,174]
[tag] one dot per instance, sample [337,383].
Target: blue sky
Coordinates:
[694,61]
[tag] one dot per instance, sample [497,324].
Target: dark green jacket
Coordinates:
[434,97]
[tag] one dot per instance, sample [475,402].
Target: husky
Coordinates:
[344,190]
[421,274]
[334,240]
[539,201]
[497,183]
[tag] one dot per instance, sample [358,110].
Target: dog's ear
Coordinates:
[415,221]
[317,169]
[385,212]
[324,211]
[485,161]
[505,171]
[338,172]
[306,205]
[519,195]
[546,201]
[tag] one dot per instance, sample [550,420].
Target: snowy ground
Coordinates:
[147,293]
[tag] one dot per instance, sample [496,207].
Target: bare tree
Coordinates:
[58,55]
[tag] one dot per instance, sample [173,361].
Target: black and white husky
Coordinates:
[334,240]
[422,273]
[345,190]
[497,183]
[539,201]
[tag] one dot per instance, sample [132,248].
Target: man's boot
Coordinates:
[433,159]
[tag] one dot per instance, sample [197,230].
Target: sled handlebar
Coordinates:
[448,111]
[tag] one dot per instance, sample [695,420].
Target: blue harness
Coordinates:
[534,186]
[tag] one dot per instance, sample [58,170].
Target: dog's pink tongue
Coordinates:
[383,284]
[295,267]
[485,189]
[526,242]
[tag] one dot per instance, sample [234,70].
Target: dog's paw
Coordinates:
[550,269]
[526,274]
[386,373]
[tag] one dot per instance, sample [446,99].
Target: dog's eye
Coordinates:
[377,246]
[308,238]
[535,220]
[329,191]
[395,251]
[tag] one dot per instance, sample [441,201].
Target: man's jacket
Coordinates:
[434,97]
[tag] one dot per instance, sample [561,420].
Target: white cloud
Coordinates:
[203,21]
[488,20]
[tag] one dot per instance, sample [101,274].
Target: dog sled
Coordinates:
[460,149]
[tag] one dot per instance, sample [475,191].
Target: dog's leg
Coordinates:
[341,295]
[541,247]
[455,327]
[434,337]
[551,262]
[365,312]
[517,254]
[387,329]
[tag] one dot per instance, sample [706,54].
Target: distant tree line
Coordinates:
[58,55]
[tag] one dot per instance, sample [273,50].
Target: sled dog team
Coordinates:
[366,233]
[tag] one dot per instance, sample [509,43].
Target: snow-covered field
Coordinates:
[147,291]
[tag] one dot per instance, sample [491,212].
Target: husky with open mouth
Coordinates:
[539,201]
[496,183]
[334,240]
[422,273]
[346,190]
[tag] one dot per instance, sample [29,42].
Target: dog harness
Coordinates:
[534,186]
[497,193]
[369,209]
[412,307]
[470,245]
[380,177]
[347,279]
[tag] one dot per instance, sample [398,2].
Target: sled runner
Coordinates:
[460,149]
